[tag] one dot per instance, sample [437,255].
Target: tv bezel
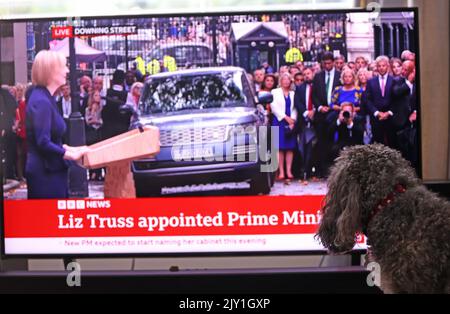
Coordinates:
[414,10]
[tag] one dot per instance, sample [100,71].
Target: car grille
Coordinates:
[242,153]
[244,149]
[193,136]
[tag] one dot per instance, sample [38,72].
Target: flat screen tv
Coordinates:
[239,141]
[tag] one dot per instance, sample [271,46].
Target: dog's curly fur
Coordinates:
[409,239]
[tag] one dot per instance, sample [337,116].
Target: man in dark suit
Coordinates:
[324,84]
[85,90]
[403,97]
[345,131]
[64,106]
[405,112]
[115,122]
[303,101]
[378,99]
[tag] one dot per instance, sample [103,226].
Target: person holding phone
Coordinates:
[48,160]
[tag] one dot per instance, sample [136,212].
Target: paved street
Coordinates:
[95,191]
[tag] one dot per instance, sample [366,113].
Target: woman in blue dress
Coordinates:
[348,92]
[285,117]
[47,161]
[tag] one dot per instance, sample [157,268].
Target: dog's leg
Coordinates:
[386,285]
[384,279]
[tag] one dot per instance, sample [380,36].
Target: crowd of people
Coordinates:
[106,111]
[318,109]
[13,134]
[322,109]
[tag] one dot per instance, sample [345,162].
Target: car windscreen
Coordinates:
[193,92]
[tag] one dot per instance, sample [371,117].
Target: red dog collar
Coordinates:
[398,189]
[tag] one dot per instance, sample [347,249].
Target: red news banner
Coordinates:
[187,216]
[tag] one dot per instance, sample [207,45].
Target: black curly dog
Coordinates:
[374,191]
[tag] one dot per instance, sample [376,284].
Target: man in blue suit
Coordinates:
[378,97]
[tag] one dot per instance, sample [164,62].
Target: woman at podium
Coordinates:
[48,161]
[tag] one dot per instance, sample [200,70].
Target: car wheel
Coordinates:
[261,184]
[147,190]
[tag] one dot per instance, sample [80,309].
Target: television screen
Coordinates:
[194,134]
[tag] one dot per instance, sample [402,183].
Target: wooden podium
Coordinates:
[116,155]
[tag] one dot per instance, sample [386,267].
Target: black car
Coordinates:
[211,130]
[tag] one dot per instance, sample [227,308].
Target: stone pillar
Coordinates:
[360,37]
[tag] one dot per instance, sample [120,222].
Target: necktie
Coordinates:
[310,103]
[383,86]
[328,83]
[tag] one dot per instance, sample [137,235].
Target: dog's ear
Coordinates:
[341,211]
[349,221]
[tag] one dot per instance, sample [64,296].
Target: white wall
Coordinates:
[360,37]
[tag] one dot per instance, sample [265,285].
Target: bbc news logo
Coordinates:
[83,204]
[71,205]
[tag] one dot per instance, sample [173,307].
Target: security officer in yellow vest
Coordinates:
[140,64]
[293,55]
[167,64]
[153,67]
[170,64]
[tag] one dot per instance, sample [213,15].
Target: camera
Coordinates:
[346,115]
